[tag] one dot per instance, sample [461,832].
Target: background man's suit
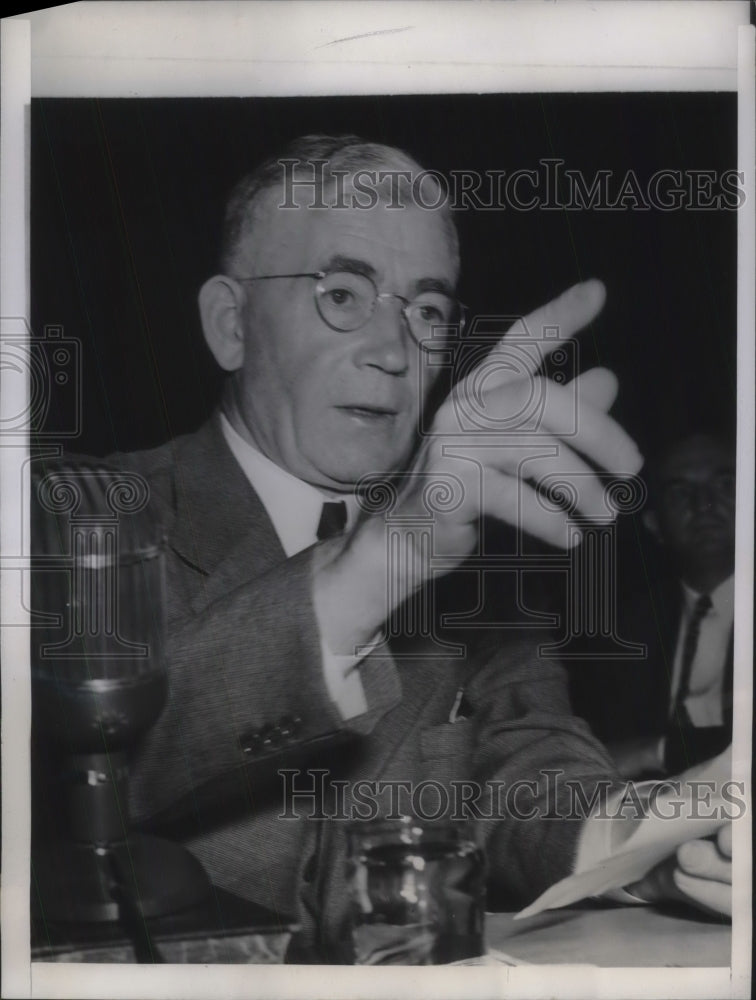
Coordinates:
[247,697]
[630,699]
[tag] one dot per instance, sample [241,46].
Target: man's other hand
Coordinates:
[700,873]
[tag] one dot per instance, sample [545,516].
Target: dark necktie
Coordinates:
[332,519]
[700,609]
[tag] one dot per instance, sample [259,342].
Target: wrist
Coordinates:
[360,579]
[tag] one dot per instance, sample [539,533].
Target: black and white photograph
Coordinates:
[378,524]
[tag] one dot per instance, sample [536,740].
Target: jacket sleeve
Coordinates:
[544,764]
[246,692]
[244,687]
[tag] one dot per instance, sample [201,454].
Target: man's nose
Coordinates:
[703,497]
[385,340]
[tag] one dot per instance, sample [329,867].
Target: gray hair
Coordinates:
[335,154]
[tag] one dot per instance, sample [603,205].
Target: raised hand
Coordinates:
[497,461]
[497,473]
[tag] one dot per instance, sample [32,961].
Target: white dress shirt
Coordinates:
[294,507]
[703,702]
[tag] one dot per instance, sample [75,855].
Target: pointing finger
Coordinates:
[523,348]
[566,314]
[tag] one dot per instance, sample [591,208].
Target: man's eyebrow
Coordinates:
[352,264]
[434,285]
[355,265]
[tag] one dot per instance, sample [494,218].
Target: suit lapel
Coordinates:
[667,609]
[220,527]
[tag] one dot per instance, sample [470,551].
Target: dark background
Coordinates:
[127,196]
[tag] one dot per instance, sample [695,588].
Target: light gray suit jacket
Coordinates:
[247,698]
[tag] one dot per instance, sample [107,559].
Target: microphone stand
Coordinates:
[95,692]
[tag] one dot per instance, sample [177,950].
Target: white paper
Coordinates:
[676,820]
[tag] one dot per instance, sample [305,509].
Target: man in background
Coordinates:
[673,709]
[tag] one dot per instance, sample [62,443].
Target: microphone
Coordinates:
[99,682]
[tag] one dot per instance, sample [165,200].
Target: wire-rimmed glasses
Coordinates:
[346,300]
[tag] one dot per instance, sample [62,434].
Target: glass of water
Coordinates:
[417,892]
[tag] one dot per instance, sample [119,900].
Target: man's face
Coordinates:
[331,406]
[697,505]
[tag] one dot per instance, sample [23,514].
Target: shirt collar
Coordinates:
[722,598]
[293,506]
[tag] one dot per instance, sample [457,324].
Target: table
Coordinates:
[606,935]
[221,929]
[589,933]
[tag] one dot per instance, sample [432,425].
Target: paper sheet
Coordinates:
[675,820]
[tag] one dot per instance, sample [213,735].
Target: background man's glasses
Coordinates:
[346,300]
[720,487]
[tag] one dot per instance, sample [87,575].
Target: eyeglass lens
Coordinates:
[346,301]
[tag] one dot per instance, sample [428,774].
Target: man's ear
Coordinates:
[220,306]
[651,524]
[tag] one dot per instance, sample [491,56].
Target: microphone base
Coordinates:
[142,876]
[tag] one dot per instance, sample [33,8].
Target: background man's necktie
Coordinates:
[332,519]
[700,609]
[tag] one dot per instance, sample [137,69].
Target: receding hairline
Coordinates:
[693,444]
[661,464]
[336,161]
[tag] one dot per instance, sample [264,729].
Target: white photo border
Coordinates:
[216,49]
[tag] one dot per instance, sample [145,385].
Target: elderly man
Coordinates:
[283,590]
